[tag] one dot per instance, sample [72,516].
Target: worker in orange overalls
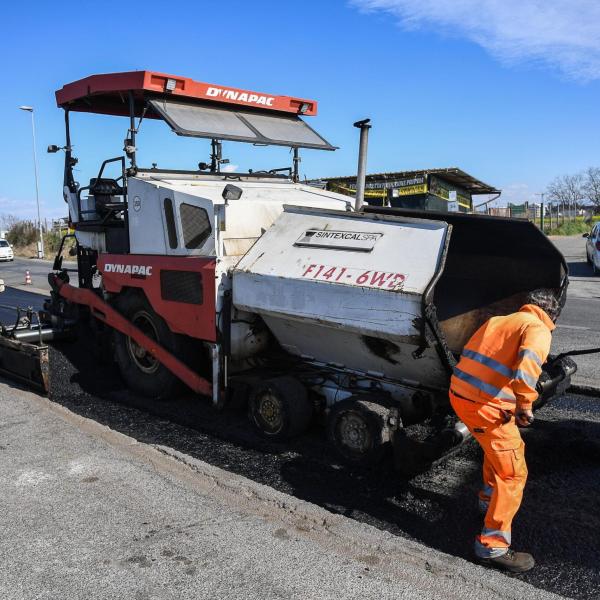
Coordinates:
[492,391]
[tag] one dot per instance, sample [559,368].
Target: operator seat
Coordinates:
[105,192]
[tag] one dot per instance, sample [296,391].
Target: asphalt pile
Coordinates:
[558,521]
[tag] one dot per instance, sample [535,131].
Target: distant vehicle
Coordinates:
[592,248]
[6,251]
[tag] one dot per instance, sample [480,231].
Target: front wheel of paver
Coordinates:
[358,431]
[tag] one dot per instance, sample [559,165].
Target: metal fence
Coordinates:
[547,216]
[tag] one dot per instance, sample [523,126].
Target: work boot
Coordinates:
[514,562]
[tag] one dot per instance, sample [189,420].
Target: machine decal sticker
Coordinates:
[339,240]
[353,276]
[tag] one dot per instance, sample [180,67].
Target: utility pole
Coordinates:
[40,251]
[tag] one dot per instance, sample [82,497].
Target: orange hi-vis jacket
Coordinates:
[501,363]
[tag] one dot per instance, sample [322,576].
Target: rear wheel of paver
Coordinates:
[279,408]
[142,371]
[357,429]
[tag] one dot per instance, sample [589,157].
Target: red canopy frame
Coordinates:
[109,94]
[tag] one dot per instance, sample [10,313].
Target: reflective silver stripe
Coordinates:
[484,552]
[526,377]
[532,355]
[483,386]
[489,362]
[505,535]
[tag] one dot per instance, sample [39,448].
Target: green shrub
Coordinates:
[22,233]
[52,241]
[570,228]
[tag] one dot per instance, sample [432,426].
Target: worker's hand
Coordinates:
[524,417]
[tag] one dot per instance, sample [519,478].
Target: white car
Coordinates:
[592,248]
[6,251]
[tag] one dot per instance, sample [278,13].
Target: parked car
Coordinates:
[592,248]
[6,251]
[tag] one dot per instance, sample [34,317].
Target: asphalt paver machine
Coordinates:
[258,287]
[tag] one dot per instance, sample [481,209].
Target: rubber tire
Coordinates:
[587,257]
[161,384]
[294,404]
[374,418]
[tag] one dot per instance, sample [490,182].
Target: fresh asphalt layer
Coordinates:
[15,297]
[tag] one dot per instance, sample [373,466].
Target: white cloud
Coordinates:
[517,193]
[229,168]
[564,34]
[512,193]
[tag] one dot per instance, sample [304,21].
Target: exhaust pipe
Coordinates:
[362,162]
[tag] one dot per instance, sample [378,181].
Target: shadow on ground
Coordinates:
[580,269]
[558,521]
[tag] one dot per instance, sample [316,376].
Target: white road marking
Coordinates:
[575,327]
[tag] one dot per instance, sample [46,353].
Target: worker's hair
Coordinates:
[546,299]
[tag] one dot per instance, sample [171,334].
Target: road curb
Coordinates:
[585,390]
[431,570]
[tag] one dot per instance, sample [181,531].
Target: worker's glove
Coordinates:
[524,417]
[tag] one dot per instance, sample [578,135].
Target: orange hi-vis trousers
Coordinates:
[504,471]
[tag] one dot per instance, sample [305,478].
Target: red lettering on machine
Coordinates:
[354,276]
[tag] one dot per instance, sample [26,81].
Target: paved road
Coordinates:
[15,297]
[89,513]
[13,273]
[579,324]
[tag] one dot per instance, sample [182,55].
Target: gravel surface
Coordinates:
[558,521]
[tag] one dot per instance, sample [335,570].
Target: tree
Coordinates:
[591,185]
[567,190]
[8,221]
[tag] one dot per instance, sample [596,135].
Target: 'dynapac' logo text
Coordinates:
[240,96]
[145,270]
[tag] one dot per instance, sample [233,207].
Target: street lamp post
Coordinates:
[40,252]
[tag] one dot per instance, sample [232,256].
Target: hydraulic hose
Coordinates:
[576,353]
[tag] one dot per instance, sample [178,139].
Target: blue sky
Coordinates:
[506,90]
